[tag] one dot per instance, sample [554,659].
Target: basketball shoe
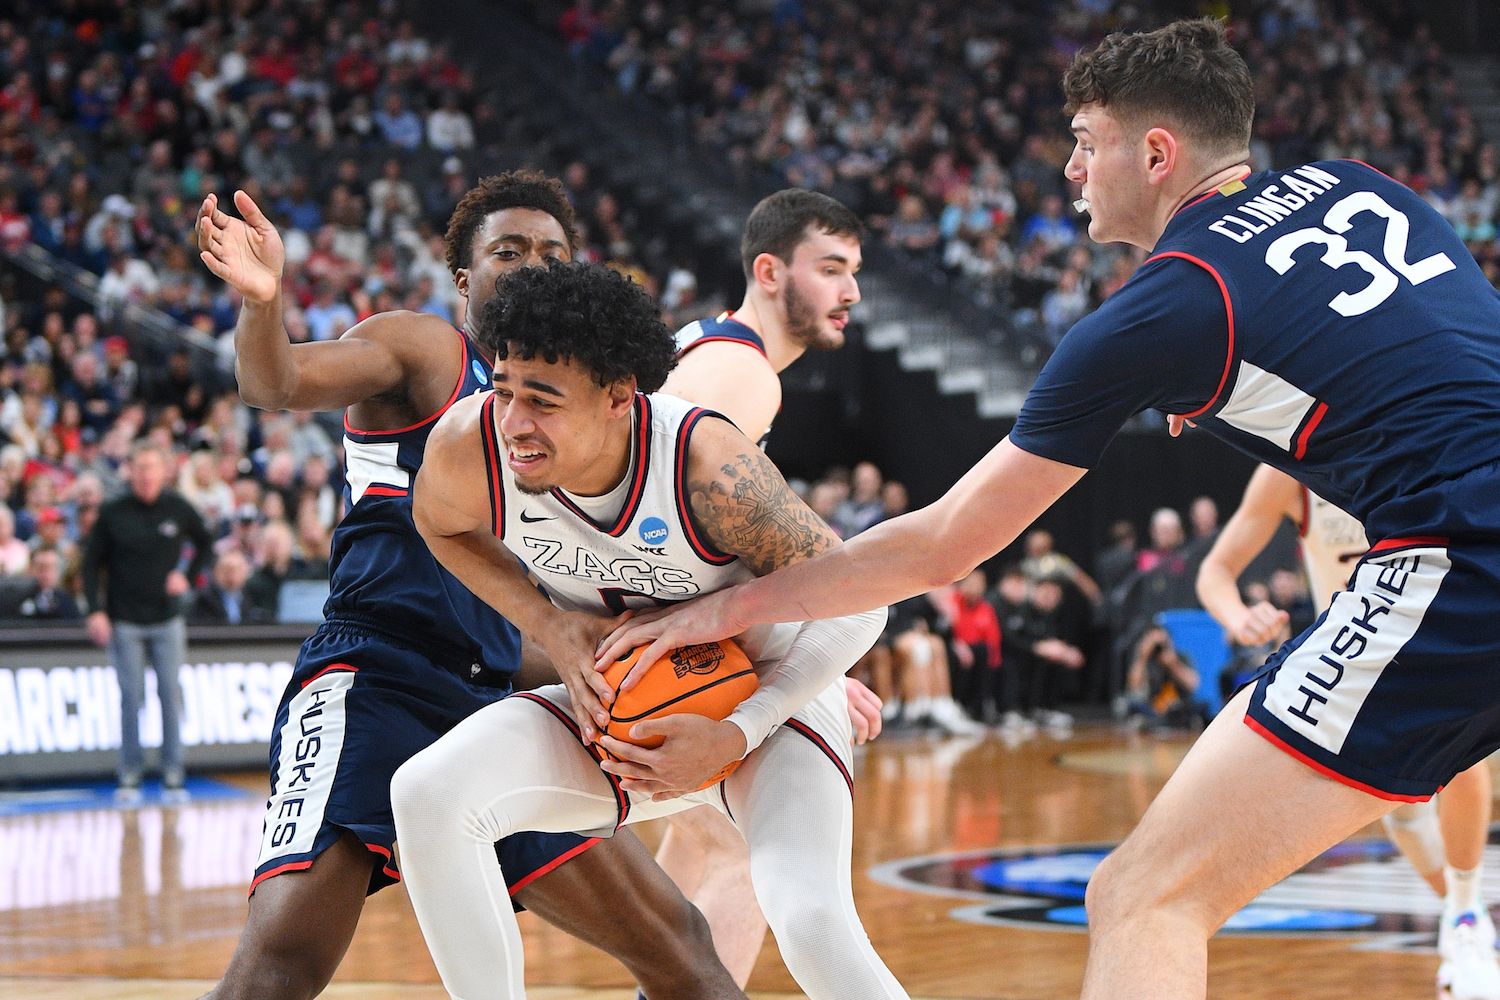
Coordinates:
[1466,945]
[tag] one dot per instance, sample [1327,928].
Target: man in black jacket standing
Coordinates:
[139,551]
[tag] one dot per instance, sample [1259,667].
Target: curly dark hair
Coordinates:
[588,312]
[512,189]
[1187,73]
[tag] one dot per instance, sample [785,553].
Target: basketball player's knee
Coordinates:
[1119,891]
[421,792]
[810,929]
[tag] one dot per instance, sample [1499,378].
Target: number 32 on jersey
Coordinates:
[1383,279]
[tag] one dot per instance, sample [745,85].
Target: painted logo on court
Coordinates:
[653,531]
[1359,889]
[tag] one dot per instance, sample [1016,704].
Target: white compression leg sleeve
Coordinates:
[511,766]
[1414,829]
[792,804]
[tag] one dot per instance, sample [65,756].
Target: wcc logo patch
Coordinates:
[654,531]
[1361,889]
[703,658]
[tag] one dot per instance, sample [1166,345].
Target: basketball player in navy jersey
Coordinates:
[1328,322]
[1448,852]
[615,496]
[405,652]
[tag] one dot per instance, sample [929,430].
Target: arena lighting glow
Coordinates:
[1081,205]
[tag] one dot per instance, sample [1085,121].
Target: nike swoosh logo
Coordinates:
[534,520]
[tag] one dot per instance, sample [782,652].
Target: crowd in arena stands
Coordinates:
[940,121]
[356,135]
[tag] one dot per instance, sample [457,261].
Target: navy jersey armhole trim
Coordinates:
[463,374]
[704,549]
[1229,316]
[492,465]
[751,341]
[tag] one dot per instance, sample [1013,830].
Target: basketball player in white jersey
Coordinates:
[800,251]
[616,499]
[1451,829]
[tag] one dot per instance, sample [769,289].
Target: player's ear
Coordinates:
[621,396]
[461,281]
[1161,152]
[767,271]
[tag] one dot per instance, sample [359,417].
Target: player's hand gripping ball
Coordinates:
[709,678]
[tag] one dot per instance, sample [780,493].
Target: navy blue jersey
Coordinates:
[1325,320]
[380,565]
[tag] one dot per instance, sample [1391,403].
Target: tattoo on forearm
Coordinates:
[747,510]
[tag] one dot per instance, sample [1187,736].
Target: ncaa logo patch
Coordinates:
[479,372]
[653,531]
[1360,889]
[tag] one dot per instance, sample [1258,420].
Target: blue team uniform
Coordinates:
[405,653]
[1328,322]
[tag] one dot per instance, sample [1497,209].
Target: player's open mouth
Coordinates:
[840,320]
[522,459]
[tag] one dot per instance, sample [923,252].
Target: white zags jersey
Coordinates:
[1332,542]
[649,555]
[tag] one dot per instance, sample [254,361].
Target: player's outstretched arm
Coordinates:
[374,357]
[900,558]
[1270,496]
[451,508]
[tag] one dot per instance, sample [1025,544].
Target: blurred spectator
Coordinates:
[223,601]
[1161,685]
[49,599]
[1288,591]
[279,562]
[398,124]
[864,507]
[976,648]
[1044,562]
[448,127]
[1117,562]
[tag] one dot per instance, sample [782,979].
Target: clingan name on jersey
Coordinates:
[638,575]
[1275,202]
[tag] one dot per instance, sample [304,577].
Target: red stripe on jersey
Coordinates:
[491,438]
[332,668]
[556,862]
[383,491]
[1229,314]
[637,487]
[1426,541]
[702,547]
[293,866]
[622,798]
[1317,418]
[732,340]
[463,373]
[822,745]
[1329,772]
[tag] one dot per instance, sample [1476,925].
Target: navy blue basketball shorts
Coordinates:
[1396,687]
[359,706]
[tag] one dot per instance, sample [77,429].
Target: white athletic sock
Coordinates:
[1463,889]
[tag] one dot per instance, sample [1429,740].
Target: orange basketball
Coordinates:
[708,679]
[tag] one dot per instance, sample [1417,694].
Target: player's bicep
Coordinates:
[743,505]
[732,379]
[450,496]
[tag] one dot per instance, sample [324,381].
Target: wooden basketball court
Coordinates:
[147,903]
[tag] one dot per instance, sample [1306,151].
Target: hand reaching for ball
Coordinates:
[695,748]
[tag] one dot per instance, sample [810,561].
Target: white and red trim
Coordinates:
[638,484]
[490,435]
[703,548]
[822,744]
[622,798]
